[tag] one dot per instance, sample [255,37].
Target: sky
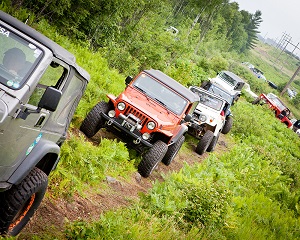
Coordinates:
[278,16]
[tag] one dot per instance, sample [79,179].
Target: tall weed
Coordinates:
[83,163]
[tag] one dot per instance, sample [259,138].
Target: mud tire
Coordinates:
[228,125]
[172,151]
[19,203]
[256,101]
[152,158]
[204,142]
[93,121]
[213,143]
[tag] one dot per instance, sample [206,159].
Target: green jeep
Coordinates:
[40,88]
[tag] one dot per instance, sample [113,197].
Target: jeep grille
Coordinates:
[136,113]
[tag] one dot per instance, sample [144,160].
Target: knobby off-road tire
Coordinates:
[204,142]
[151,158]
[93,121]
[172,151]
[213,143]
[228,125]
[19,203]
[236,98]
[256,101]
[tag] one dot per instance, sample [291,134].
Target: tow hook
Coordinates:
[110,122]
[137,141]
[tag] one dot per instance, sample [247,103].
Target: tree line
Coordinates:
[133,34]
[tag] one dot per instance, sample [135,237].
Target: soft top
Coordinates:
[57,50]
[235,77]
[173,84]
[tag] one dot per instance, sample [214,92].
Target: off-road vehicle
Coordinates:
[230,82]
[149,115]
[296,127]
[208,119]
[40,87]
[217,90]
[281,111]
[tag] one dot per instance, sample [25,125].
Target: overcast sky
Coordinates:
[278,17]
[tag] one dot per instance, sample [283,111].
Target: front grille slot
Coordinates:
[136,113]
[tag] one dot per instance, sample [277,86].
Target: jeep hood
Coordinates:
[151,108]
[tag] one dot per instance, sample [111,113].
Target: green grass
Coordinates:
[249,192]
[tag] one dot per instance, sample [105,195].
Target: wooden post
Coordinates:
[291,80]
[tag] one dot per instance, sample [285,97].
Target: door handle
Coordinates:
[40,120]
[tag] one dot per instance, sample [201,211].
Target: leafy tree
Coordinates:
[252,22]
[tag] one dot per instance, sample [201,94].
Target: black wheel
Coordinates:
[93,121]
[151,158]
[204,142]
[256,101]
[228,125]
[213,143]
[172,151]
[19,203]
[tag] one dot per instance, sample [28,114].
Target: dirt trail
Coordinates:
[54,213]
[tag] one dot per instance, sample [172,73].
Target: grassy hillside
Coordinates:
[251,191]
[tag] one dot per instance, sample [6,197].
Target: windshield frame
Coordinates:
[209,100]
[160,93]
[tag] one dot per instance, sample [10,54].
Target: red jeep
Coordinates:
[281,111]
[150,115]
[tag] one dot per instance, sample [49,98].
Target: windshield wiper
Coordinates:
[162,103]
[142,90]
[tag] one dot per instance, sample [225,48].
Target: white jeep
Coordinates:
[230,82]
[208,119]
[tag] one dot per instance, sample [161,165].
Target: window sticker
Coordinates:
[4,32]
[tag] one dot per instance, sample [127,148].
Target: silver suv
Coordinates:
[40,87]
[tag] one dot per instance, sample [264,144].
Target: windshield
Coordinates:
[276,101]
[17,58]
[218,91]
[208,100]
[227,78]
[160,93]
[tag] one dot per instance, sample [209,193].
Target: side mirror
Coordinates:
[50,99]
[128,80]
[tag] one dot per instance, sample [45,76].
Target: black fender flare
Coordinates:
[43,148]
[181,132]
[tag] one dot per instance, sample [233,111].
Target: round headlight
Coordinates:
[146,136]
[150,125]
[112,113]
[202,118]
[121,106]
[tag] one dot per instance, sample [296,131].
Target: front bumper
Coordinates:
[125,130]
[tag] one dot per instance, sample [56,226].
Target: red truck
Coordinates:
[281,111]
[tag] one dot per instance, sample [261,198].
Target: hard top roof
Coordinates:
[173,84]
[57,50]
[235,77]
